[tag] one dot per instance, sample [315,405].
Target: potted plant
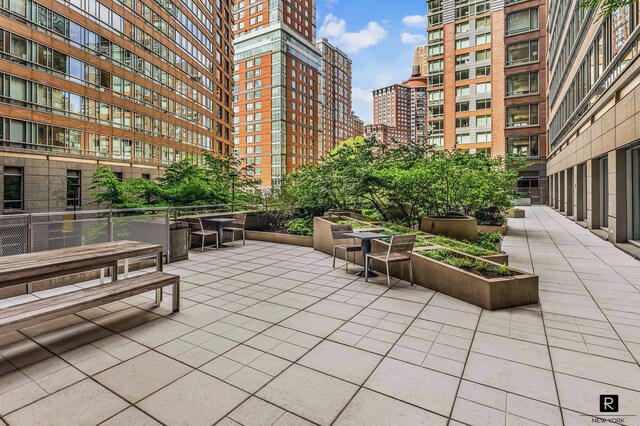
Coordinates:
[515,213]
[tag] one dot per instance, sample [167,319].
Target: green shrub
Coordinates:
[300,226]
[487,240]
[472,250]
[478,267]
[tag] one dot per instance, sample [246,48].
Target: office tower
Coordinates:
[135,85]
[485,68]
[277,80]
[337,120]
[594,101]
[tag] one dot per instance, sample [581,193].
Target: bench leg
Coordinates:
[114,271]
[175,301]
[159,269]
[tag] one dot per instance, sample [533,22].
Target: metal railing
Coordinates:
[36,232]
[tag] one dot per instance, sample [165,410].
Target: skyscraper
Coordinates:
[277,73]
[337,120]
[135,85]
[485,65]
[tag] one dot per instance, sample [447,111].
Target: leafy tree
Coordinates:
[183,183]
[607,7]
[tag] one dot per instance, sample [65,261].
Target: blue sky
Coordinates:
[380,37]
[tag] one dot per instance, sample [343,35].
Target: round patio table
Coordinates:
[220,222]
[365,246]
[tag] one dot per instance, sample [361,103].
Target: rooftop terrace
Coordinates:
[272,335]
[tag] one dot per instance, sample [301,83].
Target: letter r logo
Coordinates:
[608,403]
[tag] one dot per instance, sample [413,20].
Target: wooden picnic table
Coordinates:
[31,267]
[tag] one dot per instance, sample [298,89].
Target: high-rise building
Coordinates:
[420,58]
[400,111]
[485,67]
[337,120]
[135,85]
[391,114]
[277,81]
[594,119]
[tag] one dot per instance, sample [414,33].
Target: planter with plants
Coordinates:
[474,280]
[471,249]
[491,219]
[282,227]
[452,225]
[515,213]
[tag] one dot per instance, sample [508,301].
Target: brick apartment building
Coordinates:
[277,81]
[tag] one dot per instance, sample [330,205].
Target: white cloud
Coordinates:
[408,38]
[335,29]
[415,21]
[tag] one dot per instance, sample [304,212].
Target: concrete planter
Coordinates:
[499,229]
[487,293]
[500,258]
[275,237]
[516,213]
[522,201]
[497,293]
[460,228]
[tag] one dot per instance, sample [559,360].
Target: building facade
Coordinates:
[594,119]
[484,92]
[391,112]
[337,120]
[420,58]
[277,81]
[134,85]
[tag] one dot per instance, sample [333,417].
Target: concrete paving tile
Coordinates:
[533,410]
[270,312]
[314,324]
[248,379]
[473,413]
[419,386]
[344,362]
[142,375]
[256,412]
[511,349]
[221,367]
[372,408]
[333,309]
[188,401]
[272,365]
[397,306]
[157,332]
[131,416]
[294,300]
[20,396]
[583,395]
[596,368]
[307,393]
[533,382]
[84,403]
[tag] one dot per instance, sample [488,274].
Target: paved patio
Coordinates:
[271,334]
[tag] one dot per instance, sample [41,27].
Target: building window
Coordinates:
[462,91]
[462,122]
[522,21]
[483,71]
[483,39]
[633,192]
[483,137]
[483,120]
[483,104]
[484,22]
[522,53]
[462,75]
[523,145]
[462,106]
[13,188]
[462,27]
[462,43]
[522,115]
[436,111]
[483,55]
[522,84]
[463,138]
[73,188]
[462,59]
[604,192]
[483,88]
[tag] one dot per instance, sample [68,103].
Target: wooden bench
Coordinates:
[31,313]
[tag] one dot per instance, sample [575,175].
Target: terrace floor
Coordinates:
[272,334]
